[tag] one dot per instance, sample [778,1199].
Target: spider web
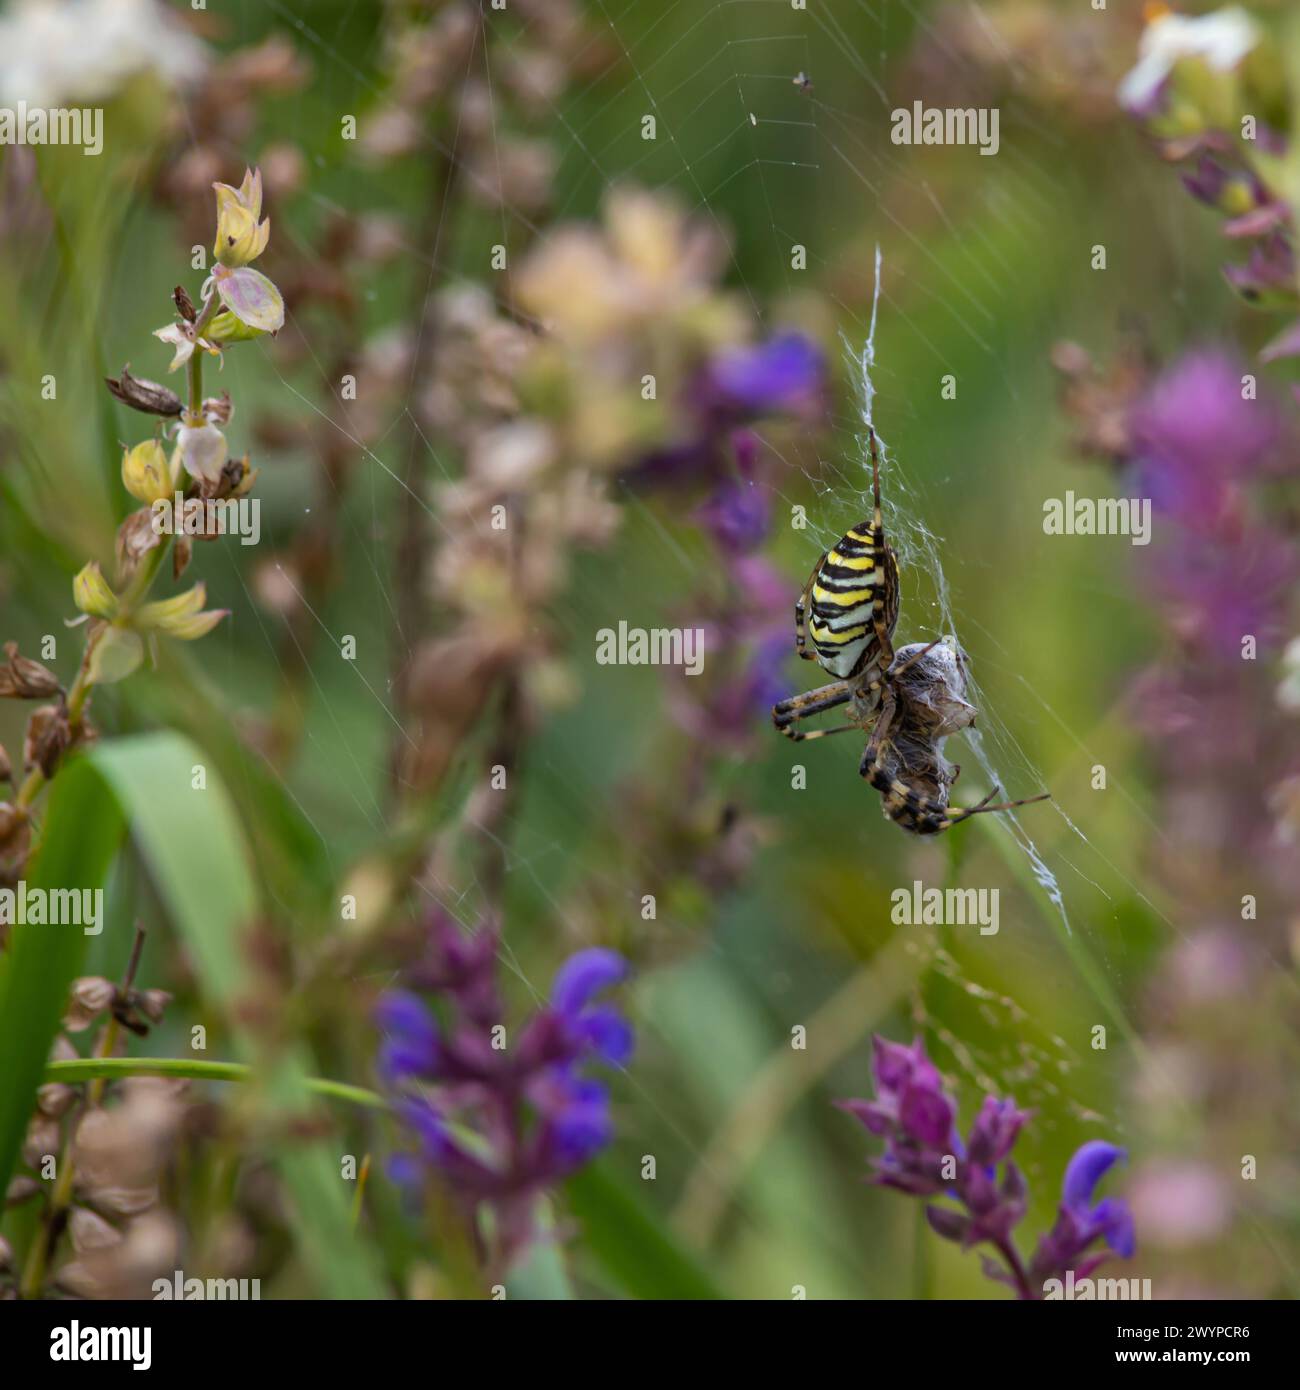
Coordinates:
[763,171]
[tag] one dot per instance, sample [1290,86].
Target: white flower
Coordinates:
[203,451]
[183,340]
[1222,39]
[66,52]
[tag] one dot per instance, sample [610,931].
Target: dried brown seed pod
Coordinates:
[182,553]
[41,1140]
[21,1190]
[91,995]
[54,1098]
[89,1231]
[135,539]
[12,820]
[24,679]
[152,1003]
[217,410]
[6,767]
[123,1201]
[143,395]
[48,736]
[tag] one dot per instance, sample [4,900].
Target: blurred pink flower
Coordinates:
[1179,1203]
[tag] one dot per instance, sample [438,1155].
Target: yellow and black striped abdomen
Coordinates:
[855,587]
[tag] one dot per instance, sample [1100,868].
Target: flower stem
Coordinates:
[194,368]
[110,1068]
[1006,1248]
[79,692]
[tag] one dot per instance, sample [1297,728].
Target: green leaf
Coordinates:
[190,841]
[83,830]
[630,1244]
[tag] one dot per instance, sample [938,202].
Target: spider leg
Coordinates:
[800,735]
[958,813]
[884,720]
[801,614]
[811,702]
[914,658]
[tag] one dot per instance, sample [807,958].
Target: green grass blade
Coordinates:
[630,1244]
[83,830]
[113,1068]
[191,842]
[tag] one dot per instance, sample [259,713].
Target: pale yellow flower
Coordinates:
[240,237]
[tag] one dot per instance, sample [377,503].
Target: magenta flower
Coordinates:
[1220,592]
[1196,437]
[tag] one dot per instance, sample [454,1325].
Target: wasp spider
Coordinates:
[910,701]
[848,608]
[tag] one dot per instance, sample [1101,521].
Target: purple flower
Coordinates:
[913,1114]
[780,376]
[1222,591]
[1086,1169]
[584,974]
[784,376]
[994,1133]
[500,1118]
[1196,437]
[738,512]
[411,1046]
[1080,1223]
[576,1121]
[765,680]
[601,1029]
[1269,273]
[924,1156]
[460,965]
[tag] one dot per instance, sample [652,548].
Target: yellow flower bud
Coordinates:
[145,471]
[191,629]
[163,613]
[180,616]
[90,592]
[240,238]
